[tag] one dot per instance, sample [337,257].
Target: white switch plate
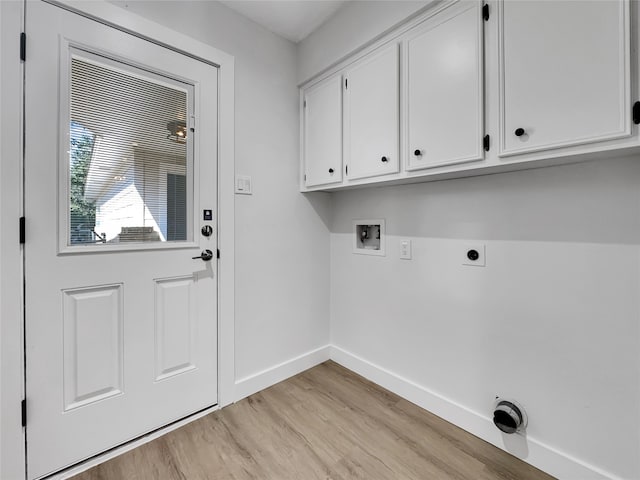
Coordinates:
[243,185]
[481,261]
[405,249]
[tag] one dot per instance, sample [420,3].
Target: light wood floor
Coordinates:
[326,423]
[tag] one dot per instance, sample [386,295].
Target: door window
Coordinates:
[129,167]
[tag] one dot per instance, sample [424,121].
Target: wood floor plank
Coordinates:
[325,424]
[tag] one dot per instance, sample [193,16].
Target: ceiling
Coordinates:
[291,19]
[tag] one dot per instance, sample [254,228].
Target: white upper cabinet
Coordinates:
[564,74]
[322,114]
[443,72]
[371,114]
[545,82]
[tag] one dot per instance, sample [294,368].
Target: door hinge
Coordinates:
[304,104]
[218,253]
[346,83]
[486,143]
[636,113]
[346,169]
[305,177]
[22,229]
[23,46]
[23,408]
[485,12]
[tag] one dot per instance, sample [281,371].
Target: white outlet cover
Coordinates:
[405,249]
[481,261]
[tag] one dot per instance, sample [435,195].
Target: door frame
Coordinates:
[12,385]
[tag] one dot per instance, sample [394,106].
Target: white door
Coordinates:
[445,91]
[564,72]
[120,178]
[371,115]
[323,132]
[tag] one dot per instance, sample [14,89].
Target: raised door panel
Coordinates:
[93,344]
[323,133]
[372,115]
[444,84]
[175,321]
[559,88]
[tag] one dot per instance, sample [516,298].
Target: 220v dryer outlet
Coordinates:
[474,255]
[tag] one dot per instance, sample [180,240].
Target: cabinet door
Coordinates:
[323,132]
[564,73]
[371,115]
[444,85]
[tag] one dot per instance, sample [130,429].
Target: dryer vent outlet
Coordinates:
[509,417]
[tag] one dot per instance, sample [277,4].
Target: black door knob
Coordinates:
[384,159]
[331,170]
[207,230]
[417,153]
[519,132]
[473,255]
[206,255]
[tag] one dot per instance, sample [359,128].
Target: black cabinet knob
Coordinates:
[384,159]
[331,170]
[417,153]
[519,132]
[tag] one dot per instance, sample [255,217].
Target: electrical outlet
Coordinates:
[474,254]
[405,249]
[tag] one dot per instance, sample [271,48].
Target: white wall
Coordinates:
[282,237]
[552,321]
[355,24]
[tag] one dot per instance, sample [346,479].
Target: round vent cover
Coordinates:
[508,417]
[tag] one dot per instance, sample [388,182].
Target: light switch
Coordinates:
[243,185]
[405,249]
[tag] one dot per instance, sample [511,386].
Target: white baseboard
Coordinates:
[532,451]
[259,381]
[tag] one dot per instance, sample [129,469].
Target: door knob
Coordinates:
[331,170]
[519,132]
[206,255]
[384,159]
[417,153]
[207,230]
